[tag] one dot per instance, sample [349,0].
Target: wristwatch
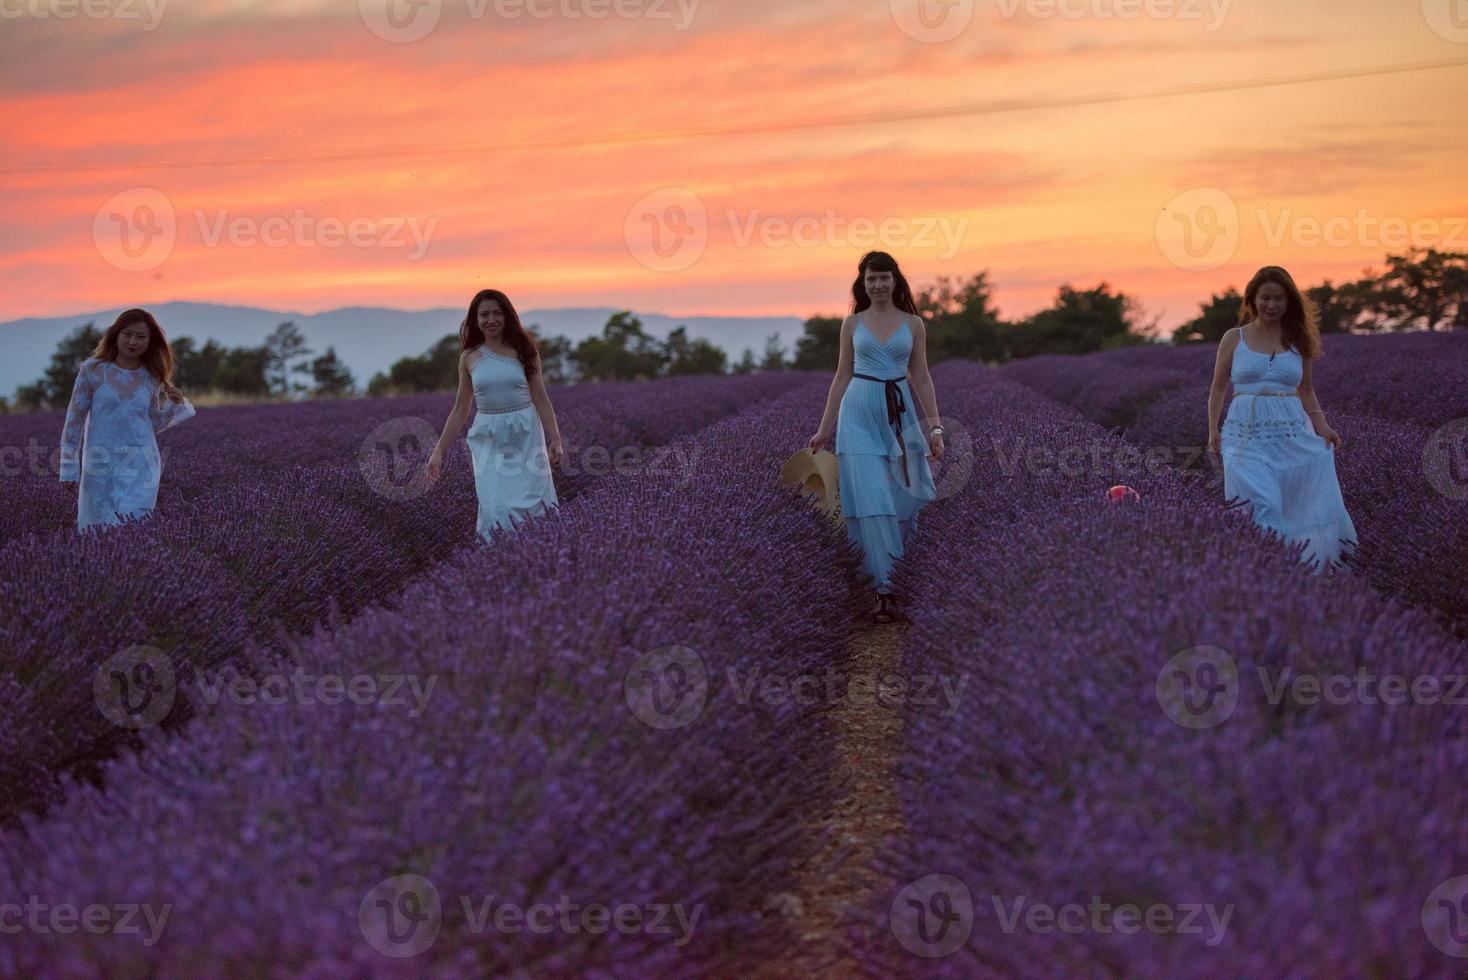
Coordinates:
[937,428]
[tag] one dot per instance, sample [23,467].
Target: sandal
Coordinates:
[886,609]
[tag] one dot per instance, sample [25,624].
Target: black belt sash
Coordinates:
[895,406]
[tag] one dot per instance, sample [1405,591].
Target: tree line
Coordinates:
[270,370]
[1423,290]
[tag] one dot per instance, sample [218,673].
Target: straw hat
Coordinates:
[817,474]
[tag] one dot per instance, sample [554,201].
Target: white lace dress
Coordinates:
[110,440]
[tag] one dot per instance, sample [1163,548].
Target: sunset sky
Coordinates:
[657,158]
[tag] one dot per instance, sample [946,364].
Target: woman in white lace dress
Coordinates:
[123,397]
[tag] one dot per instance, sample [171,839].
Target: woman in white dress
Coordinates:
[123,397]
[514,440]
[1277,449]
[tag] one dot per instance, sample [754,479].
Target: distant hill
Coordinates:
[368,339]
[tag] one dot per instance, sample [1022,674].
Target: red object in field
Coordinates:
[1121,494]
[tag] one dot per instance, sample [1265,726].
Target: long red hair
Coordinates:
[1300,328]
[470,336]
[158,358]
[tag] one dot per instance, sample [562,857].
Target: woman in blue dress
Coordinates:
[499,365]
[881,447]
[1278,452]
[123,397]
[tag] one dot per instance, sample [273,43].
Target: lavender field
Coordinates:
[1130,740]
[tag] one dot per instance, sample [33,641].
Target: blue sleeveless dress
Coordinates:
[512,472]
[1275,463]
[878,503]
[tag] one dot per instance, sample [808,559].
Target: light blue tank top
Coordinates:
[499,380]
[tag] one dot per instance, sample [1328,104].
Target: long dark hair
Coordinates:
[881,262]
[1300,328]
[470,336]
[158,358]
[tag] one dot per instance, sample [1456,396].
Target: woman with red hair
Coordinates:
[1278,451]
[123,397]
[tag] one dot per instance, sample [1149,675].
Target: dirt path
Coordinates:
[868,735]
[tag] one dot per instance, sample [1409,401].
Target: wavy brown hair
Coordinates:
[1300,328]
[881,262]
[470,336]
[158,358]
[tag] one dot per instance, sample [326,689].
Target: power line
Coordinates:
[776,126]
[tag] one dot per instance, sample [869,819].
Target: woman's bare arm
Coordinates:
[845,368]
[1311,401]
[541,399]
[1218,390]
[460,412]
[918,377]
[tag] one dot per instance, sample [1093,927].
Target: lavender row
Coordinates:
[1416,378]
[245,566]
[598,732]
[1142,730]
[231,444]
[1403,484]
